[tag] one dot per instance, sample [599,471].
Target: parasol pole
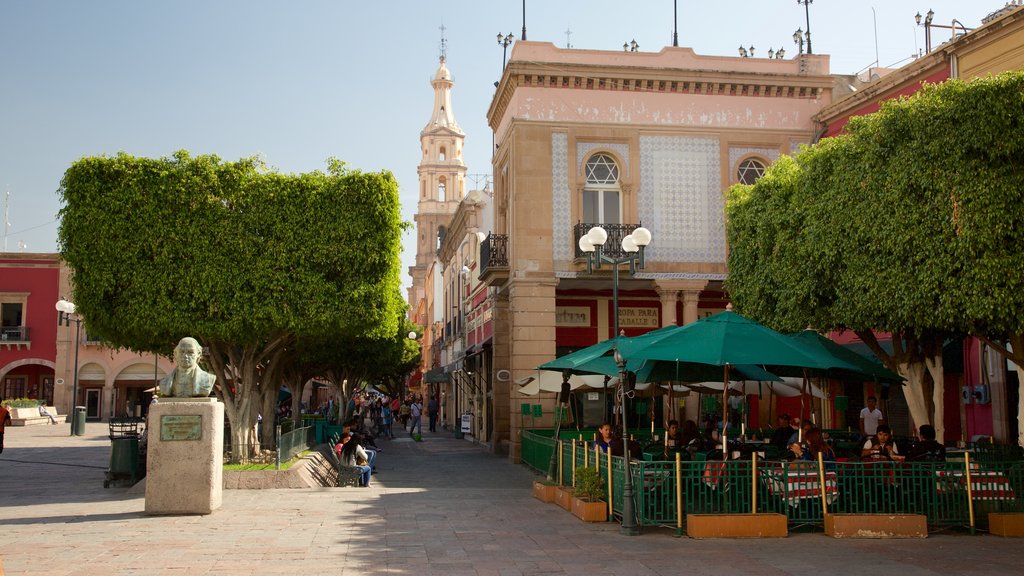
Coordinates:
[803,393]
[725,415]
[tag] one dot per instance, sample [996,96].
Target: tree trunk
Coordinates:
[269,412]
[242,384]
[933,363]
[1016,355]
[907,359]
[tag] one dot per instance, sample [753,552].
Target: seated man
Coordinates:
[880,446]
[44,412]
[782,432]
[926,449]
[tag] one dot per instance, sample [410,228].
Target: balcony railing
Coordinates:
[493,254]
[14,334]
[613,246]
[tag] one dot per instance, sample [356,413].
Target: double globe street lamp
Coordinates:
[633,245]
[65,311]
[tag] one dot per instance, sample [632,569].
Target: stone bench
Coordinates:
[31,417]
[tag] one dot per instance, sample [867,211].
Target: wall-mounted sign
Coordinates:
[174,428]
[638,318]
[572,316]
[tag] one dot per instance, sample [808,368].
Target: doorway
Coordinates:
[92,403]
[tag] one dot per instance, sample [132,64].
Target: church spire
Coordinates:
[442,115]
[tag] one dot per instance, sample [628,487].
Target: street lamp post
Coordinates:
[504,42]
[807,16]
[798,39]
[633,245]
[64,311]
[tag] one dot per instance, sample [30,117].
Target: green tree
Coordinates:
[245,259]
[909,224]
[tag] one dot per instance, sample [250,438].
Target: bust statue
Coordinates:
[187,380]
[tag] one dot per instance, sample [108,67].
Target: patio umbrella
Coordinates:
[863,368]
[723,340]
[548,381]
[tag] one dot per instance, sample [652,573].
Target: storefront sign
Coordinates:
[638,318]
[572,316]
[174,428]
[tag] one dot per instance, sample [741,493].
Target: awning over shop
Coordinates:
[435,376]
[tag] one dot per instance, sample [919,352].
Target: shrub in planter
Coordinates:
[21,403]
[544,490]
[587,504]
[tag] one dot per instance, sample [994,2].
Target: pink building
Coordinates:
[37,356]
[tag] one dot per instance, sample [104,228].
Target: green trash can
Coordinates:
[78,424]
[124,462]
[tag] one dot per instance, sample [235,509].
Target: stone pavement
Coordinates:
[440,507]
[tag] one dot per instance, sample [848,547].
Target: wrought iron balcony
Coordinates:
[613,246]
[14,334]
[494,257]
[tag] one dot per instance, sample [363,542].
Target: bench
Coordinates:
[347,475]
[31,417]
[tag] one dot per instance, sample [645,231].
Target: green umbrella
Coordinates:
[725,340]
[862,368]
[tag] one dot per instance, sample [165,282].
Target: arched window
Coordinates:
[750,170]
[601,193]
[441,155]
[441,186]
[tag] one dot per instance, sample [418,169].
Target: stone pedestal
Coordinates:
[185,466]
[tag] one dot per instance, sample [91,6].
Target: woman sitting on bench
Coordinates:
[352,454]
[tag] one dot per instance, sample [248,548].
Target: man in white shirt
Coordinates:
[870,417]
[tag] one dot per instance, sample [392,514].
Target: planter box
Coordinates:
[590,511]
[736,526]
[876,525]
[543,491]
[1006,523]
[25,413]
[563,497]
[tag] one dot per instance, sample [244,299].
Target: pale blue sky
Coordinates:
[302,80]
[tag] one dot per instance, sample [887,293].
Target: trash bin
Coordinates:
[78,424]
[126,461]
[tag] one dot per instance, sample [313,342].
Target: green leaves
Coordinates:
[229,251]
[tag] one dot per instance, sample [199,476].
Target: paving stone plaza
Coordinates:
[439,507]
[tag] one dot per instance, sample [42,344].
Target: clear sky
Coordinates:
[299,81]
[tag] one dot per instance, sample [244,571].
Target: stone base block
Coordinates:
[185,467]
[1006,523]
[876,525]
[736,526]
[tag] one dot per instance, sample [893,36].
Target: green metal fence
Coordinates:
[665,491]
[292,443]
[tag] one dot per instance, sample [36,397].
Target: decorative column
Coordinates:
[669,298]
[669,290]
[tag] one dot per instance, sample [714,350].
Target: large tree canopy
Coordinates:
[245,259]
[909,224]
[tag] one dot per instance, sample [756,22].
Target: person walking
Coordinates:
[5,417]
[433,407]
[415,410]
[387,417]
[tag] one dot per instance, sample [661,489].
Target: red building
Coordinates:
[28,325]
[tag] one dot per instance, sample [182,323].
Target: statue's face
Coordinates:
[187,356]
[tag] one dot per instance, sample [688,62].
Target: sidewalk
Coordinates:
[439,507]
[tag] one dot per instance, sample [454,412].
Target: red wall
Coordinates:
[40,278]
[908,88]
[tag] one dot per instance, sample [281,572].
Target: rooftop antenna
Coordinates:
[874,19]
[7,219]
[568,34]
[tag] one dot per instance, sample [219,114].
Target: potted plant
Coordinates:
[586,503]
[544,490]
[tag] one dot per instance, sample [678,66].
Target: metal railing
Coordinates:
[493,253]
[14,334]
[949,494]
[290,444]
[613,246]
